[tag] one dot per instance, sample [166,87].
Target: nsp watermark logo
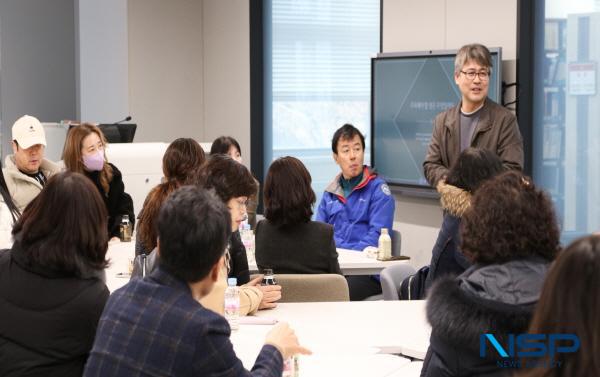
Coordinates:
[529,346]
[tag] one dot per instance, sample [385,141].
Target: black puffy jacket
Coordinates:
[47,320]
[446,257]
[117,201]
[497,299]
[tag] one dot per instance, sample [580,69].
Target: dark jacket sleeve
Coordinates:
[433,165]
[426,363]
[446,258]
[510,143]
[119,204]
[238,267]
[216,356]
[95,302]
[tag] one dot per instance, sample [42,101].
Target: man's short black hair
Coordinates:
[346,132]
[193,228]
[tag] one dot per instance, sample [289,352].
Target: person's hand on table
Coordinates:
[271,293]
[285,340]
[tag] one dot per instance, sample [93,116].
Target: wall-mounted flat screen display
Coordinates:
[407,91]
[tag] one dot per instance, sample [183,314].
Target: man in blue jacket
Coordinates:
[357,203]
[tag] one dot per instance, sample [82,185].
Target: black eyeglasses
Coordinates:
[483,75]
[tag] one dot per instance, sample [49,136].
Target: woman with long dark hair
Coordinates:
[570,304]
[85,153]
[287,240]
[181,160]
[51,287]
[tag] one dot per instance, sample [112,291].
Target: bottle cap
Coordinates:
[232,282]
[384,231]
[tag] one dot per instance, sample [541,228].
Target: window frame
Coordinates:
[258,106]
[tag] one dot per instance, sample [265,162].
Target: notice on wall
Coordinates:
[582,79]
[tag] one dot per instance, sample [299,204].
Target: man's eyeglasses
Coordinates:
[483,75]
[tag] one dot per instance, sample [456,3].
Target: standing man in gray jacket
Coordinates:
[26,171]
[476,121]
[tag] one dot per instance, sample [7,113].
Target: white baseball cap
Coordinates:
[28,131]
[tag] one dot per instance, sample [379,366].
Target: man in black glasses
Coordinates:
[476,121]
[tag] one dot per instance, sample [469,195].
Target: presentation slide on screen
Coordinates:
[408,92]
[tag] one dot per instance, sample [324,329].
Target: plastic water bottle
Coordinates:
[232,304]
[247,236]
[385,245]
[291,367]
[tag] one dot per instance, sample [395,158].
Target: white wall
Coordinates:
[449,24]
[37,52]
[166,69]
[226,36]
[189,69]
[101,60]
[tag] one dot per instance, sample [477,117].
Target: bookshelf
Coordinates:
[553,147]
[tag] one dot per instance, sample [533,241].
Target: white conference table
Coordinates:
[347,338]
[363,338]
[119,254]
[408,370]
[351,263]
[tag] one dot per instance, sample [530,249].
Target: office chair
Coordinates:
[392,277]
[312,287]
[396,242]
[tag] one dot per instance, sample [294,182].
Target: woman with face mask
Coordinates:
[84,153]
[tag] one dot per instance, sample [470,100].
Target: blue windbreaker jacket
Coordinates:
[357,220]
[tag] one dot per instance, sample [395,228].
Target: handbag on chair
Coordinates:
[413,287]
[143,264]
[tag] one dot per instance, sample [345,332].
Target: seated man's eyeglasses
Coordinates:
[483,75]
